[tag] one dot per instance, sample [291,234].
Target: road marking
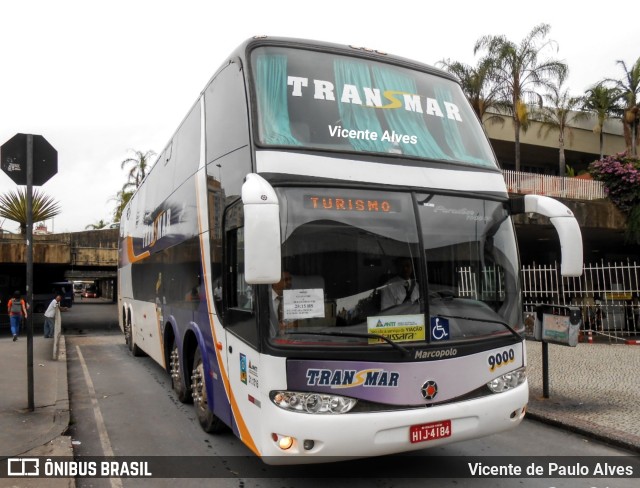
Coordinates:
[102,430]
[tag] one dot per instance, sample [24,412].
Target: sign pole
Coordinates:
[545,370]
[27,150]
[29,249]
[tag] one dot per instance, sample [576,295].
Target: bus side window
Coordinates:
[215,202]
[238,296]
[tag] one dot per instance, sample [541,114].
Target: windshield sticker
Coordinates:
[439,329]
[397,328]
[465,212]
[303,304]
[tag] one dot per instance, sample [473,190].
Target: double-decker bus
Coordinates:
[323,258]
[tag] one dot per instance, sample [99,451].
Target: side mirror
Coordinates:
[565,224]
[262,254]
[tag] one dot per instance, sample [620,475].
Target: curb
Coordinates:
[62,416]
[596,432]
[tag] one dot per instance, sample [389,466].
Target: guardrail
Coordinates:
[554,186]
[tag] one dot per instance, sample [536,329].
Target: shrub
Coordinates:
[620,175]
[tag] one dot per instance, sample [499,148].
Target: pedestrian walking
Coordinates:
[50,316]
[17,310]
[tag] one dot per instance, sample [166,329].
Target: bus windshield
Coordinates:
[357,270]
[315,100]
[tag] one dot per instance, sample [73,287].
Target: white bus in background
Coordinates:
[366,182]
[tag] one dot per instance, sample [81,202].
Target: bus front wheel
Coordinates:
[208,421]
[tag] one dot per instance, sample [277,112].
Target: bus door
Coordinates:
[240,322]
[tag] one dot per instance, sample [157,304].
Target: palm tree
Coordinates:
[630,88]
[121,199]
[603,102]
[477,85]
[140,165]
[13,206]
[101,224]
[519,71]
[560,114]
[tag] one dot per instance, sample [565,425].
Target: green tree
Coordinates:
[520,71]
[139,165]
[629,85]
[603,102]
[121,199]
[13,206]
[477,85]
[559,114]
[100,224]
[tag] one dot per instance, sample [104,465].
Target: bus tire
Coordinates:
[128,338]
[208,421]
[183,393]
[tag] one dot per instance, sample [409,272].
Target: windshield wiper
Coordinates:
[474,319]
[363,335]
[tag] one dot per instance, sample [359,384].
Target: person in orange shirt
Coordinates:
[17,310]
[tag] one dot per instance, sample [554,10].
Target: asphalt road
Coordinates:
[124,406]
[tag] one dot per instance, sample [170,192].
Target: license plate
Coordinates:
[430,432]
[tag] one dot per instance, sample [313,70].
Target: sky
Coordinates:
[100,79]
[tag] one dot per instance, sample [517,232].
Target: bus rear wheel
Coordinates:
[208,421]
[177,376]
[128,338]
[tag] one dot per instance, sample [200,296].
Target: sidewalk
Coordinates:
[41,432]
[593,390]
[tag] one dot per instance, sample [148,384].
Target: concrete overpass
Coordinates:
[77,256]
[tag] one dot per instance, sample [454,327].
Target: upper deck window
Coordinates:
[325,101]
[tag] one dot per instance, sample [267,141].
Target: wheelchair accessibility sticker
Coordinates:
[439,329]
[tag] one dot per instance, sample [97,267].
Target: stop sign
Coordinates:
[13,159]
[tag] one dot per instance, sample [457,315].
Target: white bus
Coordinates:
[323,258]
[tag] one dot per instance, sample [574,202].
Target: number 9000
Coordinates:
[500,359]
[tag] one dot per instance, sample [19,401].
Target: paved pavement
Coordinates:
[40,432]
[593,391]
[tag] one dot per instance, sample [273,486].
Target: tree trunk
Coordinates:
[601,143]
[517,142]
[562,163]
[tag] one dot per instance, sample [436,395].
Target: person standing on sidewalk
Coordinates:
[50,316]
[17,310]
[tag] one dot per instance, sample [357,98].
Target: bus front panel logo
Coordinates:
[429,390]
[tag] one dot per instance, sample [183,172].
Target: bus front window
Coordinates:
[351,266]
[354,273]
[472,266]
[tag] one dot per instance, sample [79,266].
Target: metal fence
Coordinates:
[606,293]
[553,186]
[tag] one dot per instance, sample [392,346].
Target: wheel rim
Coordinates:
[199,388]
[176,375]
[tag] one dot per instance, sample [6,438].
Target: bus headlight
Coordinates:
[312,402]
[508,381]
